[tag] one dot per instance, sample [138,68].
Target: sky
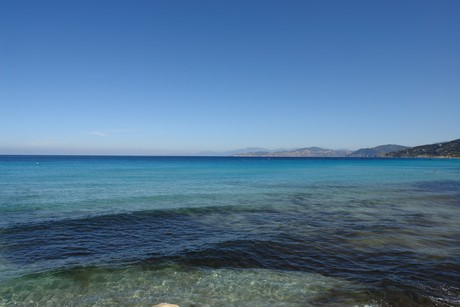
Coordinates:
[163,77]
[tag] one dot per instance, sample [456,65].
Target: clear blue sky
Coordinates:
[178,77]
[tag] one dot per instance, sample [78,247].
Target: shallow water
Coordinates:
[229,231]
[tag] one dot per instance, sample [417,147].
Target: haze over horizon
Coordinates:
[181,77]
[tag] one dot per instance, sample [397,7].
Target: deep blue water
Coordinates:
[221,231]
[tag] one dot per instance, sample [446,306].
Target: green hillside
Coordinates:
[448,149]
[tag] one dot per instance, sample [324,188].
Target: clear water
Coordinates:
[194,231]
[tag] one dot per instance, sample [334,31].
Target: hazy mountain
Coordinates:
[301,152]
[237,151]
[446,149]
[376,151]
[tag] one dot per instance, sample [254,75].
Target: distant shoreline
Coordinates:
[443,150]
[217,157]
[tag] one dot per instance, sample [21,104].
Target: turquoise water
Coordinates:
[202,231]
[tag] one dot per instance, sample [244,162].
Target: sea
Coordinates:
[229,231]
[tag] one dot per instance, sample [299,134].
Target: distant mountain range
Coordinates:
[447,149]
[301,152]
[238,152]
[324,152]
